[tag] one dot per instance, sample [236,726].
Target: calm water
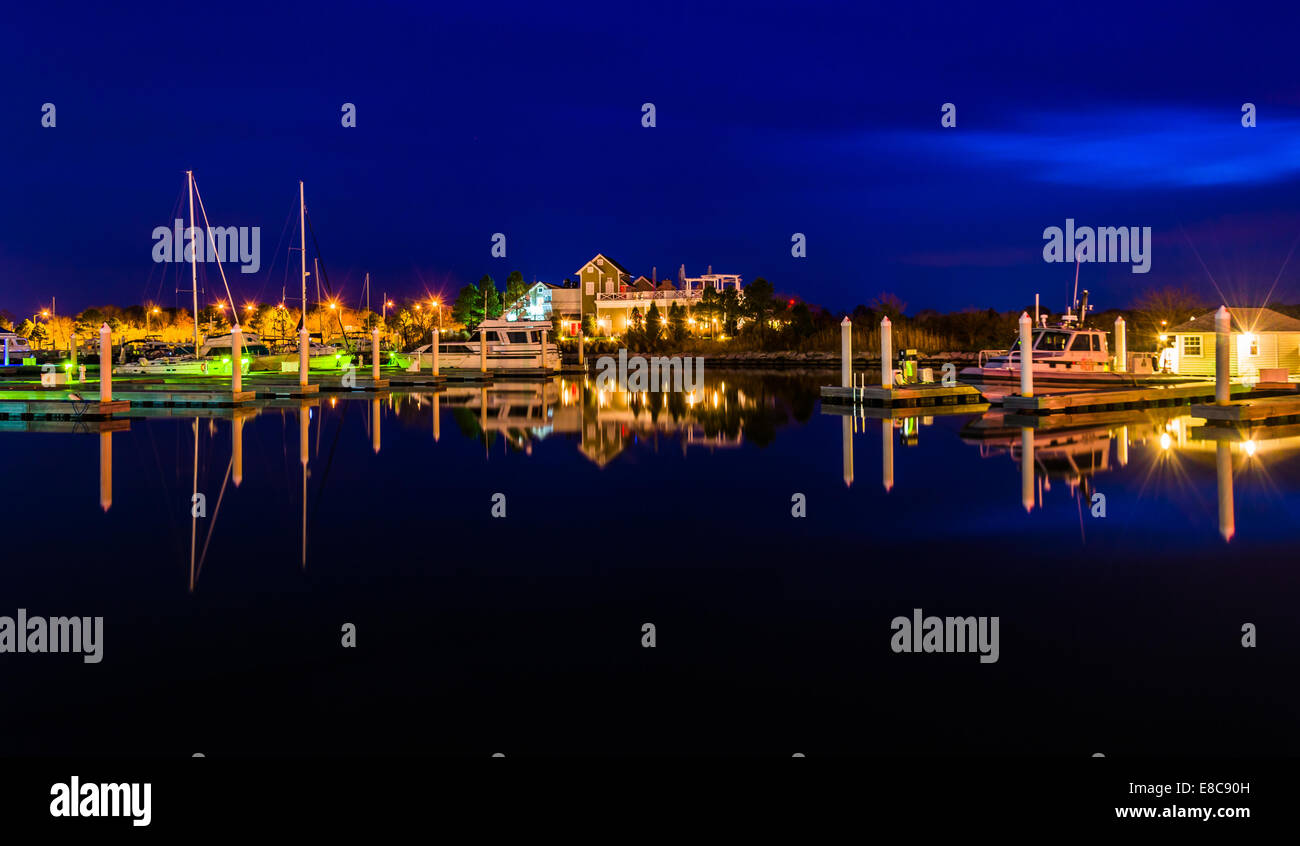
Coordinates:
[476,634]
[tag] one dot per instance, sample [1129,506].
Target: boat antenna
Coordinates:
[1075,301]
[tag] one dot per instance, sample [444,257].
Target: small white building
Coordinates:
[1261,339]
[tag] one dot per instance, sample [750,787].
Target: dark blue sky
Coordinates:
[525,119]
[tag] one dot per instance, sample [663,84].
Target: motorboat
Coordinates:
[511,345]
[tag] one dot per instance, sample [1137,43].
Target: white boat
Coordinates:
[511,345]
[1068,354]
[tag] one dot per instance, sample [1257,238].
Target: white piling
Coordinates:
[1121,346]
[582,359]
[105,363]
[846,353]
[374,353]
[542,358]
[236,359]
[74,351]
[1222,355]
[886,354]
[482,350]
[304,344]
[437,338]
[1026,355]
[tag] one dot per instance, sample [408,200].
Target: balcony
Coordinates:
[648,296]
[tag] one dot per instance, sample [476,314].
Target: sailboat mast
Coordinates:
[194,270]
[302,225]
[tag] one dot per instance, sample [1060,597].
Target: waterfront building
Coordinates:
[1262,339]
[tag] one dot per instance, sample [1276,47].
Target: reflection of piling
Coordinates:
[237,449]
[374,354]
[236,360]
[105,470]
[304,344]
[887,452]
[1026,356]
[1222,351]
[1122,446]
[482,417]
[886,354]
[846,353]
[1027,468]
[105,364]
[374,425]
[1121,346]
[437,420]
[1227,516]
[847,425]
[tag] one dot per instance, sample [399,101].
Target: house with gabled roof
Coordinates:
[1261,339]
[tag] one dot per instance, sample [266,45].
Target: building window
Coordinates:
[591,289]
[1192,346]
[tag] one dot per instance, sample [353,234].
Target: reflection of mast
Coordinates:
[194,518]
[1227,515]
[304,435]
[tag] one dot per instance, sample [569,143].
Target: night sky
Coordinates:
[525,119]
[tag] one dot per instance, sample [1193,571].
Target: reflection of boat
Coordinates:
[1067,355]
[511,345]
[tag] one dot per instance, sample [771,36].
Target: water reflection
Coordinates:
[1156,453]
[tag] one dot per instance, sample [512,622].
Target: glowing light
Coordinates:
[1250,447]
[1165,440]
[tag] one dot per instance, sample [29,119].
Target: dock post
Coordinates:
[105,365]
[1227,516]
[1121,346]
[437,338]
[582,359]
[304,344]
[236,360]
[846,353]
[1026,355]
[6,342]
[374,354]
[73,344]
[886,354]
[1222,355]
[1027,468]
[482,350]
[542,358]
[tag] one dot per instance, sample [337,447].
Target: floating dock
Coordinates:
[905,396]
[61,409]
[1275,409]
[1157,396]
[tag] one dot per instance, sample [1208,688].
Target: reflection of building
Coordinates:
[1261,339]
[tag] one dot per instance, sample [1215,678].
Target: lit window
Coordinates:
[1192,346]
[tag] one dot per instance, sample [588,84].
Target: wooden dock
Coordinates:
[877,412]
[1282,409]
[904,396]
[61,409]
[1158,396]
